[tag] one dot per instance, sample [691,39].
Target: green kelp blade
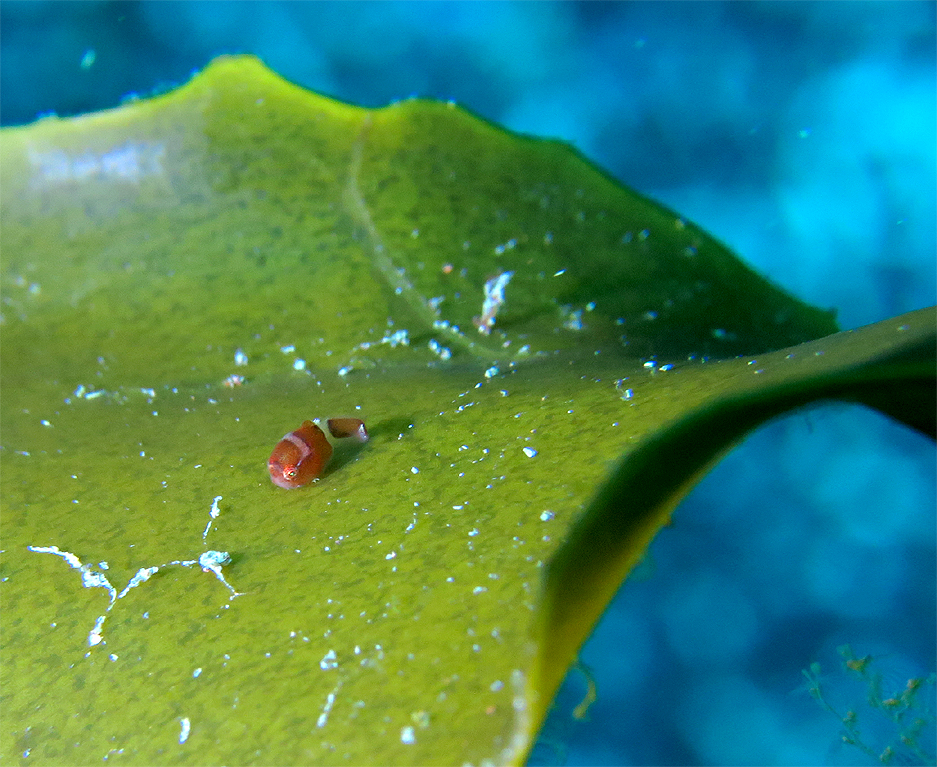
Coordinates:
[889,366]
[241,205]
[185,280]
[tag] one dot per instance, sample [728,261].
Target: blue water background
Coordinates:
[802,135]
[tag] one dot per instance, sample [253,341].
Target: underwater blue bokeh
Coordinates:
[802,135]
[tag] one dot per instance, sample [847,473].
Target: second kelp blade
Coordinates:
[388,609]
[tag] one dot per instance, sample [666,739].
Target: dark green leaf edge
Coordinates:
[890,366]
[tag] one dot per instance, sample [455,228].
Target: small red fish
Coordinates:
[299,457]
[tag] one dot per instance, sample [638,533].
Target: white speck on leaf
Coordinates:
[328,661]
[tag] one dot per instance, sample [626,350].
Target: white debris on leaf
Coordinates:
[142,575]
[443,352]
[89,393]
[494,298]
[186,728]
[399,337]
[213,514]
[89,578]
[210,561]
[327,708]
[95,637]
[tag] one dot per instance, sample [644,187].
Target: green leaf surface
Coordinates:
[420,602]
